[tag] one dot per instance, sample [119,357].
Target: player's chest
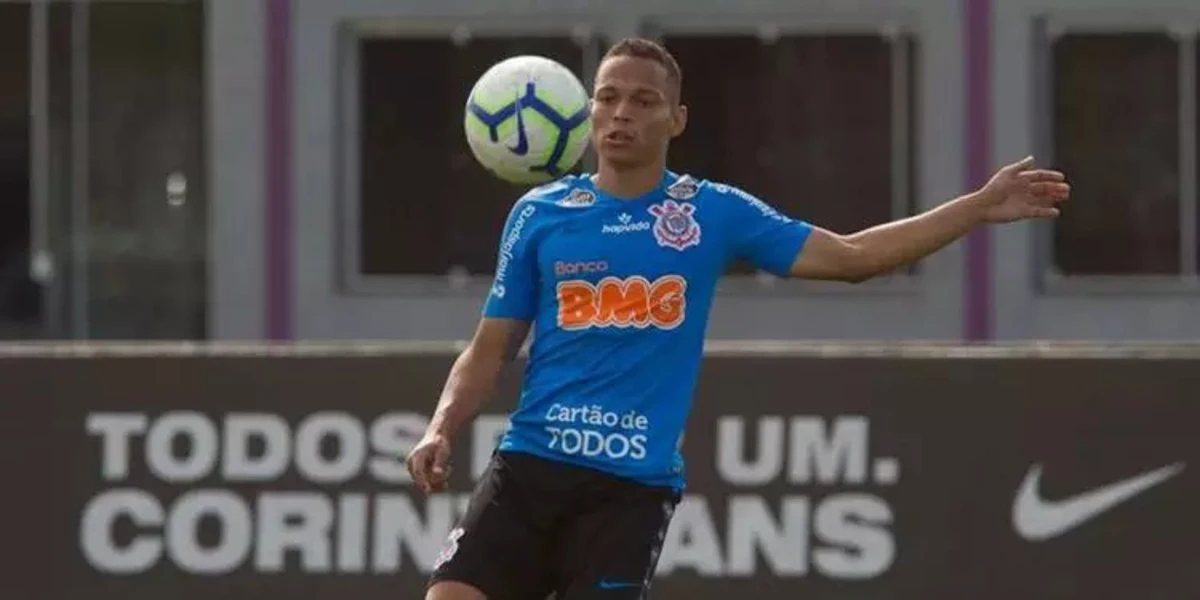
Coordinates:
[652,241]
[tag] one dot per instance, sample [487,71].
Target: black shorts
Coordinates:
[536,526]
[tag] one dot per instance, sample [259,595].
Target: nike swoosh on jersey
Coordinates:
[1037,519]
[522,141]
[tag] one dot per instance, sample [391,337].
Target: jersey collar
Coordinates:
[669,177]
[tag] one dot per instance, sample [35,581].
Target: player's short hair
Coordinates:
[650,50]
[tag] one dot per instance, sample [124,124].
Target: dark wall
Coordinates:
[809,478]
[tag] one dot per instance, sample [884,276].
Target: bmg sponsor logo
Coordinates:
[615,302]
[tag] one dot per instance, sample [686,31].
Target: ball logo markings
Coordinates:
[522,139]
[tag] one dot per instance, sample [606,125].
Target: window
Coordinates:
[426,207]
[19,296]
[147,201]
[115,188]
[819,126]
[1116,131]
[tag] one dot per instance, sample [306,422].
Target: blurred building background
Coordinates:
[295,169]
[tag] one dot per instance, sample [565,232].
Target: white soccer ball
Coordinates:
[527,119]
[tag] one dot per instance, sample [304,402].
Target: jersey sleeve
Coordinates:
[762,235]
[514,288]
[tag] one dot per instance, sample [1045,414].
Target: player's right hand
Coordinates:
[429,463]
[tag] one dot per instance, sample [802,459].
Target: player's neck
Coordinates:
[628,183]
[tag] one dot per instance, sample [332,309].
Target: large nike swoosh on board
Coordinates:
[1037,519]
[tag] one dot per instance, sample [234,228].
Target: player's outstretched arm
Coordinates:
[471,382]
[1017,191]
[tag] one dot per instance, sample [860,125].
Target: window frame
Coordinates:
[350,278]
[1184,27]
[886,22]
[906,140]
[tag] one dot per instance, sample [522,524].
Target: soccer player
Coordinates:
[615,273]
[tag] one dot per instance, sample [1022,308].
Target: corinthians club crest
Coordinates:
[674,226]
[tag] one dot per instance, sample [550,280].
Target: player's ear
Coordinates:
[679,120]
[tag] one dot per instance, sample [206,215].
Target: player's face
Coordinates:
[634,111]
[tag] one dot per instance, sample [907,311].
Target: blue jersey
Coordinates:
[619,293]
